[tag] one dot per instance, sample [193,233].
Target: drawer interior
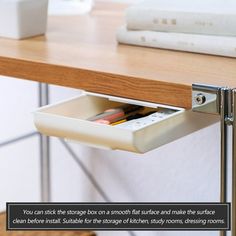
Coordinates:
[82,108]
[90,105]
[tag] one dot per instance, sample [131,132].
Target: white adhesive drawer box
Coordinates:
[68,119]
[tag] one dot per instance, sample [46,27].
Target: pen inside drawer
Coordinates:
[132,117]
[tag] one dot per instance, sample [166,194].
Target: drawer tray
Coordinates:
[69,120]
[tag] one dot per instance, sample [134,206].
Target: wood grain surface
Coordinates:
[82,52]
[3,231]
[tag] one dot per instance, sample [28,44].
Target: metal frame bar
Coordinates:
[233,222]
[85,170]
[17,139]
[44,142]
[224,114]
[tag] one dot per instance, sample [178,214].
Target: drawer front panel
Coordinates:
[71,119]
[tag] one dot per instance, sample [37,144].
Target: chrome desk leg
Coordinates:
[224,146]
[225,111]
[44,149]
[233,221]
[217,100]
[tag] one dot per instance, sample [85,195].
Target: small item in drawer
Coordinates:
[136,124]
[131,117]
[115,114]
[118,122]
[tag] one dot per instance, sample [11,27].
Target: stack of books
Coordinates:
[203,26]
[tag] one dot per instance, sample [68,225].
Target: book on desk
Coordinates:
[203,26]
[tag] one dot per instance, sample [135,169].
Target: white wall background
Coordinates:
[185,170]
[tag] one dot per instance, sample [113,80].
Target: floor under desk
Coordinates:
[3,231]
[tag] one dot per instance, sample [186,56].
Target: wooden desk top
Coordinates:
[81,52]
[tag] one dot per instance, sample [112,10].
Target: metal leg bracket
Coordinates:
[221,101]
